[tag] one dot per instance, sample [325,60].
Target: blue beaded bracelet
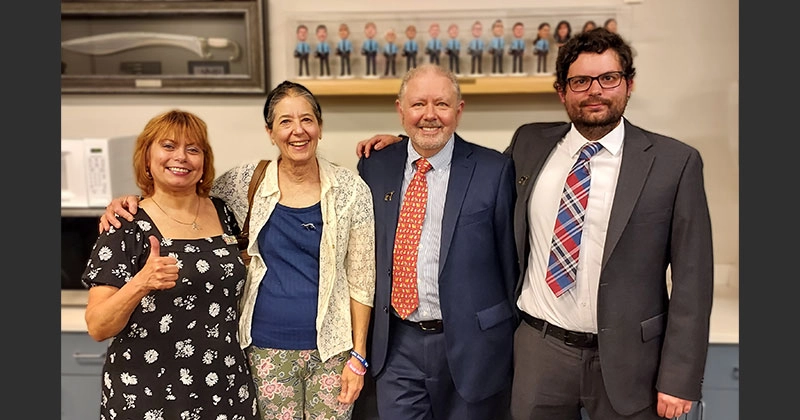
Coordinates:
[360,358]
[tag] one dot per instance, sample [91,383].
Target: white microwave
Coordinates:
[95,170]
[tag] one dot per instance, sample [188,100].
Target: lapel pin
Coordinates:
[388,196]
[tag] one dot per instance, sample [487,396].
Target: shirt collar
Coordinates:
[612,141]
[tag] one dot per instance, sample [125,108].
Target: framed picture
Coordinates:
[213,46]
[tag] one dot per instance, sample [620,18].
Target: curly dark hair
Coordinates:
[595,41]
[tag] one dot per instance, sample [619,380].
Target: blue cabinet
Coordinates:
[81,369]
[720,386]
[721,383]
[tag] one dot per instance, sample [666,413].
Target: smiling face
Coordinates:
[430,108]
[322,34]
[175,164]
[390,36]
[411,32]
[302,33]
[519,30]
[452,30]
[497,28]
[295,130]
[434,30]
[370,30]
[477,29]
[597,110]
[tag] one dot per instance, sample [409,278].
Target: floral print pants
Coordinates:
[297,384]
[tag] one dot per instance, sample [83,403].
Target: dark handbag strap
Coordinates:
[258,175]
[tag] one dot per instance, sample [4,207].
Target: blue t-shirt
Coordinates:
[285,311]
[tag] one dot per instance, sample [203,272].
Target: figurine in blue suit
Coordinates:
[369,48]
[475,48]
[497,46]
[517,48]
[302,50]
[411,47]
[343,49]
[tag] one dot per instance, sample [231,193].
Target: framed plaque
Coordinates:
[210,46]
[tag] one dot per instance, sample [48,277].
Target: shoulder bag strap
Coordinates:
[258,175]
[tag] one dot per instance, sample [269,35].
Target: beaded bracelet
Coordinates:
[360,358]
[355,369]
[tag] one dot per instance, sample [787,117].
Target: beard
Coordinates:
[595,125]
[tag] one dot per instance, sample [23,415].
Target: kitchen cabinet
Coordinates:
[721,384]
[81,370]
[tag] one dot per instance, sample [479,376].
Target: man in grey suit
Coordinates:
[616,341]
[451,357]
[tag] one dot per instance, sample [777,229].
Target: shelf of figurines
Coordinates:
[470,85]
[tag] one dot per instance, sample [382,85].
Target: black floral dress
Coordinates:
[179,355]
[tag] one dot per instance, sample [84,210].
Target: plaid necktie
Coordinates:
[405,297]
[563,263]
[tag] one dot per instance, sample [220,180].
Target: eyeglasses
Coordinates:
[608,80]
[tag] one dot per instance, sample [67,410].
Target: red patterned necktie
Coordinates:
[563,263]
[405,297]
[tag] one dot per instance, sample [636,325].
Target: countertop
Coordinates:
[724,314]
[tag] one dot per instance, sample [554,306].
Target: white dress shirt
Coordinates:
[575,310]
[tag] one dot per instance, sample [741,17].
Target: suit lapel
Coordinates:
[392,193]
[461,169]
[527,171]
[636,163]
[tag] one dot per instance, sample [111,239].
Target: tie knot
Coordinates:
[590,149]
[423,165]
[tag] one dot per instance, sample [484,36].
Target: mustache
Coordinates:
[596,101]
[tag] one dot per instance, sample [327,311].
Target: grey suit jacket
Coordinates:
[648,341]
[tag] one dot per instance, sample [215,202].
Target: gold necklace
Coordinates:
[193,224]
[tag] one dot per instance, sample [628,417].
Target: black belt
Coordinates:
[570,338]
[431,327]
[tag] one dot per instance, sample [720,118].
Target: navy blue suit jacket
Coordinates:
[478,264]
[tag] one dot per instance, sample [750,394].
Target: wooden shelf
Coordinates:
[469,85]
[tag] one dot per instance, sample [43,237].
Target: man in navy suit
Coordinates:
[451,357]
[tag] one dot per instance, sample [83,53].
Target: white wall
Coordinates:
[686,86]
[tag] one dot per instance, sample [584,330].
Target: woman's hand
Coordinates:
[352,383]
[125,206]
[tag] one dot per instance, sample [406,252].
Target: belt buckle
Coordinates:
[423,327]
[582,340]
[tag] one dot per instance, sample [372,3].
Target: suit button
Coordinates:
[386,309]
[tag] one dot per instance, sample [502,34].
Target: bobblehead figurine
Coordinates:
[588,26]
[323,51]
[517,48]
[434,46]
[410,47]
[390,52]
[475,48]
[541,46]
[610,25]
[343,49]
[369,49]
[453,48]
[497,47]
[302,50]
[563,33]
